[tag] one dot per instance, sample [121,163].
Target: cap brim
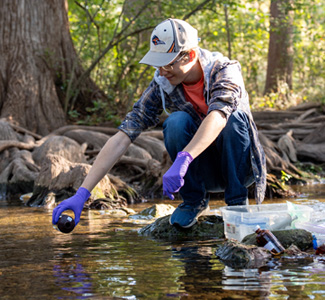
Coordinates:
[158,59]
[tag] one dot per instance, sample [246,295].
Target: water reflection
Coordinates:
[207,278]
[72,277]
[105,258]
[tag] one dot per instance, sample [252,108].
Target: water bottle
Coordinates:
[65,224]
[282,222]
[265,238]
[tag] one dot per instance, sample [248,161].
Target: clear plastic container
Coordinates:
[317,227]
[240,221]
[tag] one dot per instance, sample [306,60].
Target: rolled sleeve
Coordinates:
[226,88]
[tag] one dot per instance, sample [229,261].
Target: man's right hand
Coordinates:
[74,203]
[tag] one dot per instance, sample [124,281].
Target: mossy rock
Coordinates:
[299,237]
[237,255]
[207,226]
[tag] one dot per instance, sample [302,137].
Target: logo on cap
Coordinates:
[156,41]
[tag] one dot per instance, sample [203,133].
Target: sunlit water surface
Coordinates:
[105,258]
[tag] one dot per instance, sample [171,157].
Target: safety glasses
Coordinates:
[170,67]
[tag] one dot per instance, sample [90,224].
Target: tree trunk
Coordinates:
[280,55]
[37,60]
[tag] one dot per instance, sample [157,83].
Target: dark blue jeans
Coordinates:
[223,167]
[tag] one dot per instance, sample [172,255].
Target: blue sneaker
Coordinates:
[186,215]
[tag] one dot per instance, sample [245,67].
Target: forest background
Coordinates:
[240,30]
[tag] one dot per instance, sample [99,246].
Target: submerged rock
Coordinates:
[207,226]
[234,254]
[237,255]
[293,252]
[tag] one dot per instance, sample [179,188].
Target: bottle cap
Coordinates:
[257,227]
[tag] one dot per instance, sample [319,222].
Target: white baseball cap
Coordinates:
[167,40]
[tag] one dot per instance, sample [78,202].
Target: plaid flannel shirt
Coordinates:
[224,91]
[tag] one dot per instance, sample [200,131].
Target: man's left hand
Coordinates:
[173,179]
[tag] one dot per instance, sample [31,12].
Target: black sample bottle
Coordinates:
[265,238]
[65,224]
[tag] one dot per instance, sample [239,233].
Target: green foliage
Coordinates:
[309,49]
[98,23]
[311,168]
[282,98]
[285,177]
[98,114]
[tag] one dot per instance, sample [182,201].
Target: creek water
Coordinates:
[105,258]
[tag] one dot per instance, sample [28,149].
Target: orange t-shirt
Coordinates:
[195,95]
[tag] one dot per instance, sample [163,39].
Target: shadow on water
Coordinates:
[105,258]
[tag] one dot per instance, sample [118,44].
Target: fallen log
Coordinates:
[275,116]
[305,106]
[288,126]
[297,133]
[314,152]
[317,136]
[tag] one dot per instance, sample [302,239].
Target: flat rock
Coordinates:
[207,226]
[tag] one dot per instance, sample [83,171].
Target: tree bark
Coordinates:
[37,61]
[280,55]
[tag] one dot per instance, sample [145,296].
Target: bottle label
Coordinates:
[230,228]
[269,246]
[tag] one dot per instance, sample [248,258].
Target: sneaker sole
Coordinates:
[194,220]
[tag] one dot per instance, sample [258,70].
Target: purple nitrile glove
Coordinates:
[75,203]
[173,179]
